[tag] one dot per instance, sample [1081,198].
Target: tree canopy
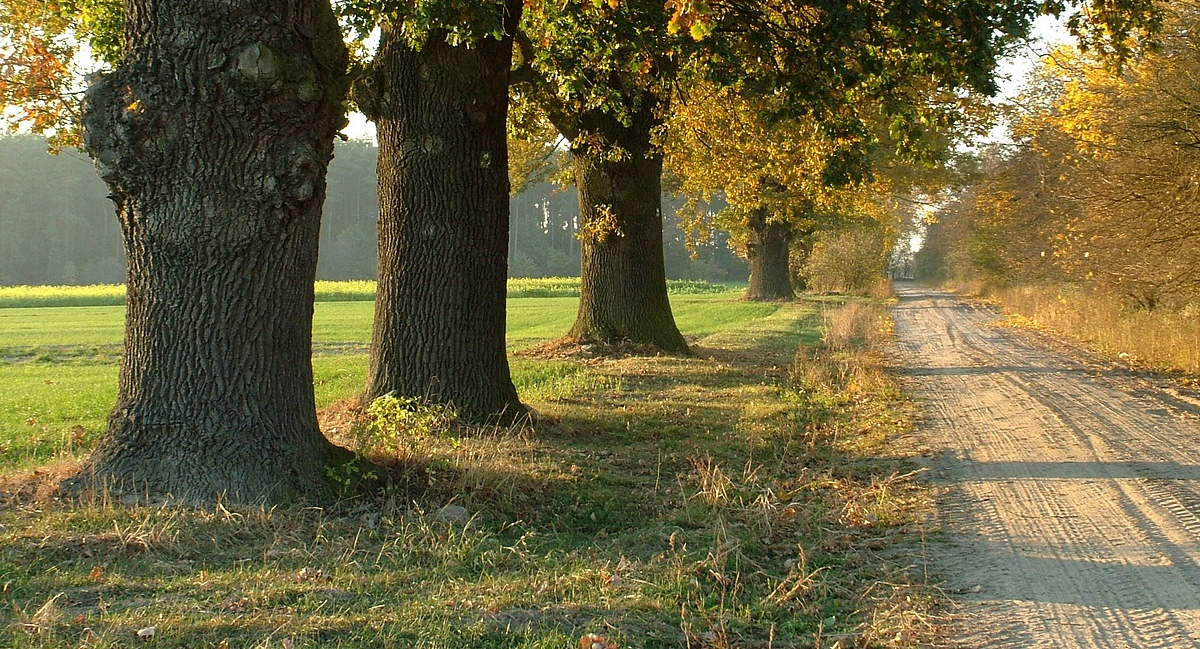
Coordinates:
[1102,188]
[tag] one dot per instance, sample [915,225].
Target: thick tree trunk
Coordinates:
[802,247]
[767,249]
[623,289]
[440,115]
[213,136]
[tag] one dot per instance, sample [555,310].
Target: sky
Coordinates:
[1048,33]
[359,128]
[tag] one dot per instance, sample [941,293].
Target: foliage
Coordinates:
[722,141]
[40,52]
[848,261]
[396,421]
[585,59]
[457,21]
[394,417]
[534,154]
[1103,189]
[727,144]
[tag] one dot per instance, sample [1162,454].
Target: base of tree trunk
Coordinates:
[329,474]
[213,136]
[768,252]
[439,330]
[623,283]
[570,347]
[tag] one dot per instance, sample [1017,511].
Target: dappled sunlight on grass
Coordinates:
[713,500]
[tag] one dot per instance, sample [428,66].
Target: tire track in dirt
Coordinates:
[1069,496]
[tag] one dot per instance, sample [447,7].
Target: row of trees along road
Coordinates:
[215,127]
[1101,189]
[775,176]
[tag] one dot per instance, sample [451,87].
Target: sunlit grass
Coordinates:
[59,365]
[719,500]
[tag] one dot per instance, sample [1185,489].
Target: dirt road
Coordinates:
[1069,491]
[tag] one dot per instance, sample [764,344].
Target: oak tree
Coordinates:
[601,72]
[213,133]
[437,90]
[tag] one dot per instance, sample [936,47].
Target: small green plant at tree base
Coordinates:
[396,429]
[397,421]
[348,474]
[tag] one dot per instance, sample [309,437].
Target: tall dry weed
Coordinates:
[1163,339]
[847,361]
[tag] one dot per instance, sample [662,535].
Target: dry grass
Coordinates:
[1163,339]
[847,362]
[739,498]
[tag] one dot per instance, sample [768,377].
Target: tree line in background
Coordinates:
[213,131]
[1101,190]
[59,228]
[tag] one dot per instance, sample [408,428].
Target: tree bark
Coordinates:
[440,115]
[767,249]
[213,136]
[623,284]
[801,250]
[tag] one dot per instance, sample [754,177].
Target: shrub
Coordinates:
[850,261]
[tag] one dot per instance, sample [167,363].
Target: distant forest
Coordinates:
[57,226]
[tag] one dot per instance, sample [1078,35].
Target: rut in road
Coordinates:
[1069,495]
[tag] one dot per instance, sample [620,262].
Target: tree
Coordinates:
[58,226]
[774,174]
[1100,190]
[437,90]
[601,74]
[605,73]
[213,134]
[349,247]
[768,170]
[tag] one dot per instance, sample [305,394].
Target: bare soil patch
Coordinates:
[1069,489]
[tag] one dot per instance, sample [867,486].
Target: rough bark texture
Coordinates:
[767,249]
[802,247]
[440,115]
[623,289]
[213,137]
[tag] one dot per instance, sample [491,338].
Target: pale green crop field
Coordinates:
[59,365]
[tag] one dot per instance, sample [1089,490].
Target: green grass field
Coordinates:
[58,365]
[732,498]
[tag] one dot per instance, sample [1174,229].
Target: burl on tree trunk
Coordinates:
[623,284]
[213,136]
[440,115]
[767,249]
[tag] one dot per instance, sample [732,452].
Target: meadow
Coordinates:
[326,291]
[740,496]
[59,365]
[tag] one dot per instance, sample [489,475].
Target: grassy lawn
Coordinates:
[58,365]
[733,498]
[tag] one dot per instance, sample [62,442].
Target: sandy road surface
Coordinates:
[1070,492]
